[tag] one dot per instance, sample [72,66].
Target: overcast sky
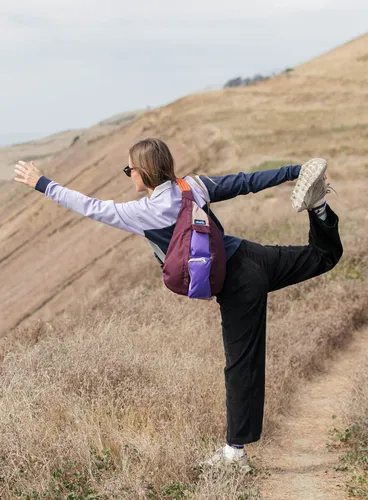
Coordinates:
[71,63]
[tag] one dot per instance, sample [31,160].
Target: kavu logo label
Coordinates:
[200,222]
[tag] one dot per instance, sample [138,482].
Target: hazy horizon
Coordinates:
[69,68]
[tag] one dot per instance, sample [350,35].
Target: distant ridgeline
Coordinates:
[245,82]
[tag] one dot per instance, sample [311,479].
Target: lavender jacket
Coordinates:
[155,217]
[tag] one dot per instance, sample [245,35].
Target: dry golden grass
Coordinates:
[352,440]
[111,375]
[141,375]
[358,443]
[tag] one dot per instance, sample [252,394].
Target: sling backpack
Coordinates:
[195,262]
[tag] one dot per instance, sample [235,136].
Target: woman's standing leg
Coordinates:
[243,306]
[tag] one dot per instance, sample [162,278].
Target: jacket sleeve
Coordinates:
[119,215]
[229,186]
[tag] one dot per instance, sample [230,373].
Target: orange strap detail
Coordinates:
[184,186]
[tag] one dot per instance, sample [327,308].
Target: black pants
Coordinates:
[252,272]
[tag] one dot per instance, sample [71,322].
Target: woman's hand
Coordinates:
[27,173]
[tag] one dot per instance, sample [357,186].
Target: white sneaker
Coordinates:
[229,455]
[311,188]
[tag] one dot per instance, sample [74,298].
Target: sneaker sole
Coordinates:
[310,173]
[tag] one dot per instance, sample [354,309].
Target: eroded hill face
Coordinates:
[52,260]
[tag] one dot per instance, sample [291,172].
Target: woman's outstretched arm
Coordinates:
[229,186]
[119,215]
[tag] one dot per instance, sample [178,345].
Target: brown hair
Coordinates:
[154,162]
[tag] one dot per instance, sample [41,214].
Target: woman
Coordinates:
[252,269]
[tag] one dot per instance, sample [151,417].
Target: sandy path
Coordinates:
[299,462]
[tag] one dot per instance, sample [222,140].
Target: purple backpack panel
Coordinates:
[195,262]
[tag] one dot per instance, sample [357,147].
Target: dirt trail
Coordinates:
[299,462]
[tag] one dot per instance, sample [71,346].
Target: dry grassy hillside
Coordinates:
[137,372]
[52,260]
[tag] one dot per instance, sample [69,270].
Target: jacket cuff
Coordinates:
[42,184]
[294,172]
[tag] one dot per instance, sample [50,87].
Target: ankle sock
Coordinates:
[321,211]
[237,446]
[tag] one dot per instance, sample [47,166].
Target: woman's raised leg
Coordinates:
[288,265]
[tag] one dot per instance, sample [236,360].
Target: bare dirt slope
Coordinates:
[300,464]
[53,260]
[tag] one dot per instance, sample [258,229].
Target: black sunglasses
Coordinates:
[128,170]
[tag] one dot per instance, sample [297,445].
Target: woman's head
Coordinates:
[152,162]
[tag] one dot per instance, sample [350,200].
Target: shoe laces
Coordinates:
[329,188]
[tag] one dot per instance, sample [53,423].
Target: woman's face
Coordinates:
[137,179]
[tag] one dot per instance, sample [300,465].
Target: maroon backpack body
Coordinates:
[195,262]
